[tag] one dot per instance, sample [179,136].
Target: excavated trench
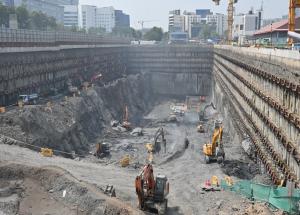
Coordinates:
[72,125]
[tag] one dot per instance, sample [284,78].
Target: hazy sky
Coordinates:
[158,9]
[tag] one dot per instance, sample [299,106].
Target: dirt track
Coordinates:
[185,169]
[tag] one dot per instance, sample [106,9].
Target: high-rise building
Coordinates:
[70,15]
[244,25]
[203,12]
[122,19]
[222,25]
[176,21]
[87,16]
[7,2]
[105,18]
[47,7]
[53,8]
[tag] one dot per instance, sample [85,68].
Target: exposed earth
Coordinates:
[35,189]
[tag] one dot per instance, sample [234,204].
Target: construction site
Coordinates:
[98,126]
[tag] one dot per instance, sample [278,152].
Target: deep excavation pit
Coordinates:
[157,78]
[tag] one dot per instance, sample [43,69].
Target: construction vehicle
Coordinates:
[202,113]
[152,192]
[159,138]
[28,99]
[95,78]
[102,150]
[215,149]
[126,124]
[200,128]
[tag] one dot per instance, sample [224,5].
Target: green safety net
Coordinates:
[280,197]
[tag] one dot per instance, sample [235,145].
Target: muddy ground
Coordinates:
[185,169]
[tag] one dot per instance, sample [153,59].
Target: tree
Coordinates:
[122,31]
[3,15]
[154,33]
[97,31]
[165,36]
[137,35]
[23,17]
[208,31]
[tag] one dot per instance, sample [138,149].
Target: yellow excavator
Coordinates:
[215,150]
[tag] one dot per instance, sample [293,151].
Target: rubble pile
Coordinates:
[70,124]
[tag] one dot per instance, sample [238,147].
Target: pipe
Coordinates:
[294,35]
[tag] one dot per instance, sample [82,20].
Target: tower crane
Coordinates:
[141,22]
[230,10]
[292,18]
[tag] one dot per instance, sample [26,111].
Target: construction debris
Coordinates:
[137,132]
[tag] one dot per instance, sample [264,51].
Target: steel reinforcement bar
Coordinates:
[282,82]
[263,156]
[286,114]
[268,146]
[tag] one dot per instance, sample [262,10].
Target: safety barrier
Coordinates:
[282,198]
[21,37]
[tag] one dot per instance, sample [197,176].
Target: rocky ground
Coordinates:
[82,178]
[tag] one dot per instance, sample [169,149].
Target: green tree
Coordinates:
[154,33]
[137,35]
[97,31]
[3,15]
[23,17]
[122,31]
[205,32]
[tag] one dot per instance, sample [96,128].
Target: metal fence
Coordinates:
[22,37]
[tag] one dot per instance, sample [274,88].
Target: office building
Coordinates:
[87,16]
[122,20]
[203,12]
[176,21]
[70,15]
[105,18]
[244,26]
[221,25]
[47,7]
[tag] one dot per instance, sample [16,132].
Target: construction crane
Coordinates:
[142,22]
[292,18]
[230,10]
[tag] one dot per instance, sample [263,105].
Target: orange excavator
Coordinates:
[152,192]
[215,149]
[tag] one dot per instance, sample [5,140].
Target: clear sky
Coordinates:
[158,10]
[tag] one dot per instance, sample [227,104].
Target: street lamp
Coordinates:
[271,34]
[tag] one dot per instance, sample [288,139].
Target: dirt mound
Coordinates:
[69,125]
[55,191]
[240,169]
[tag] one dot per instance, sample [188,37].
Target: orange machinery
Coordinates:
[152,192]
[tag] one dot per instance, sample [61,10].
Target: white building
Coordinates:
[176,21]
[105,18]
[87,17]
[222,25]
[244,26]
[211,19]
[71,15]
